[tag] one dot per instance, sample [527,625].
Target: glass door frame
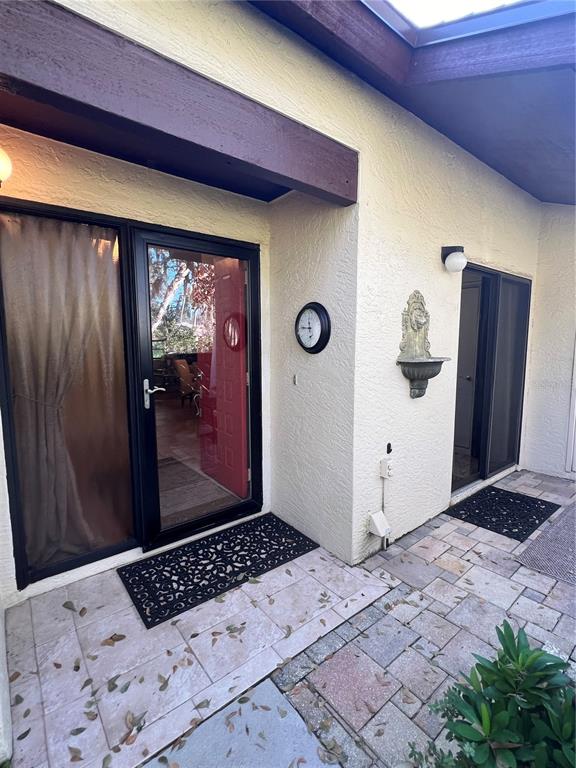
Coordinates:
[142,500]
[486,377]
[152,534]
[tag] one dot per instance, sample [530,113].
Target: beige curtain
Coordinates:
[61,293]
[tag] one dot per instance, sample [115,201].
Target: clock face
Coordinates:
[313,327]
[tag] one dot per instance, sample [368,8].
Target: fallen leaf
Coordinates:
[23,735]
[69,605]
[77,731]
[83,611]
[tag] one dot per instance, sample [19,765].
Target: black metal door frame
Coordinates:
[152,534]
[139,432]
[486,366]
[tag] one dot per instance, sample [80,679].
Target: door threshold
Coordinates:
[477,485]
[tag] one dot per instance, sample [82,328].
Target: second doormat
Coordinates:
[510,514]
[165,585]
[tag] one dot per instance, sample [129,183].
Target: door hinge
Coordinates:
[249,474]
[248,378]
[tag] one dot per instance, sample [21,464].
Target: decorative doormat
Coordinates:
[554,551]
[511,514]
[163,586]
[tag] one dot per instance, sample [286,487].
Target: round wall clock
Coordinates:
[312,327]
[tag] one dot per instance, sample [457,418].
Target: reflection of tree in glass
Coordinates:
[181,302]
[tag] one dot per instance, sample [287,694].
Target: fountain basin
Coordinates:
[419,370]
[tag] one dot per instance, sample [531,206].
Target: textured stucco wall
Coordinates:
[550,364]
[313,257]
[417,192]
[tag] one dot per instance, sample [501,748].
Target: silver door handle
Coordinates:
[148,392]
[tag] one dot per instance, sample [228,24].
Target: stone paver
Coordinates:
[539,614]
[359,653]
[534,580]
[325,647]
[340,746]
[416,673]
[356,703]
[457,658]
[385,640]
[429,548]
[445,592]
[492,558]
[551,642]
[490,586]
[434,628]
[409,607]
[293,671]
[413,570]
[453,563]
[562,598]
[260,728]
[389,733]
[407,701]
[480,618]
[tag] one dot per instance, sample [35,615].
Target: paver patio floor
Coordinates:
[354,656]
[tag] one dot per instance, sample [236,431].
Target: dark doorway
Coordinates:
[490,380]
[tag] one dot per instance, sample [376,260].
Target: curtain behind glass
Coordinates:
[66,356]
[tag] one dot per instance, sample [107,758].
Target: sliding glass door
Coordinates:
[494,315]
[511,334]
[129,381]
[194,302]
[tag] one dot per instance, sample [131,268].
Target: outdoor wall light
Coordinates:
[5,166]
[454,258]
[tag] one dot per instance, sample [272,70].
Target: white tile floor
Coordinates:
[90,684]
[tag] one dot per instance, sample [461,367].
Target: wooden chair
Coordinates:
[189,384]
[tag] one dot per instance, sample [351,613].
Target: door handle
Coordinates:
[468,378]
[148,392]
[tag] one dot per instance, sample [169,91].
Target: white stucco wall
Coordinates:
[550,364]
[417,192]
[313,249]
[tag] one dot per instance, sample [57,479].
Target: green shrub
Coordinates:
[517,710]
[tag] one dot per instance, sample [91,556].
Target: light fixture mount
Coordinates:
[448,249]
[453,258]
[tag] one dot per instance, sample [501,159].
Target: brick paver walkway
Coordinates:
[351,657]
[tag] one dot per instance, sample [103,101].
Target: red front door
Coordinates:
[223,421]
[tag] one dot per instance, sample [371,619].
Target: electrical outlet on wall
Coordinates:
[386,469]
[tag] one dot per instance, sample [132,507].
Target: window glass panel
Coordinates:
[508,374]
[199,351]
[62,300]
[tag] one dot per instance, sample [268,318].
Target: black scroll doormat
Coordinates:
[511,514]
[163,586]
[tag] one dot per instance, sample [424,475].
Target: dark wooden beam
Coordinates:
[64,76]
[540,45]
[350,33]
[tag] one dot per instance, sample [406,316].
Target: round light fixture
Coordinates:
[454,258]
[5,166]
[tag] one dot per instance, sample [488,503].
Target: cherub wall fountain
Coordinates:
[414,359]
